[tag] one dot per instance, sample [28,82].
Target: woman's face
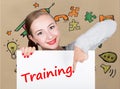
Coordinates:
[45,32]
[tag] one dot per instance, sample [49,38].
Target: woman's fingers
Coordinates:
[27,51]
[79,56]
[22,49]
[32,50]
[74,65]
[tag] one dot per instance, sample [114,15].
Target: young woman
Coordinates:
[43,31]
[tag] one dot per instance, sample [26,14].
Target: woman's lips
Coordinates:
[52,42]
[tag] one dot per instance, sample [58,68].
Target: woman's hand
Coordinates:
[79,56]
[27,51]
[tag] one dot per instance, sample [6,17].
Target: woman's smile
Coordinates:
[52,42]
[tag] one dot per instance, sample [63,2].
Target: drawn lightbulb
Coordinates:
[12,47]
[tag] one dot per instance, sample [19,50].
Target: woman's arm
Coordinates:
[92,39]
[96,35]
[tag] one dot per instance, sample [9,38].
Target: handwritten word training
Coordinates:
[47,74]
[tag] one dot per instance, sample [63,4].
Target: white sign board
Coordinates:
[53,70]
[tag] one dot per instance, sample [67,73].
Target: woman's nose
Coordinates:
[49,35]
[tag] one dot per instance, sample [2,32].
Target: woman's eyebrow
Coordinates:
[42,29]
[38,30]
[50,24]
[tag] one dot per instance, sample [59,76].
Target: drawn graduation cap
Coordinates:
[22,24]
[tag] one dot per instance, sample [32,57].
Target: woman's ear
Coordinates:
[31,38]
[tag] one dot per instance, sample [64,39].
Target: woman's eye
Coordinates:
[39,33]
[51,27]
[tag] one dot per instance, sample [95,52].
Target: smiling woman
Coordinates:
[43,31]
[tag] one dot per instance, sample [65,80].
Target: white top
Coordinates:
[95,36]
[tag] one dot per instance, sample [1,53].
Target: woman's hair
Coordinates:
[28,21]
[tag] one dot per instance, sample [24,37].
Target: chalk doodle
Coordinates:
[90,17]
[109,57]
[74,25]
[112,72]
[15,70]
[9,33]
[102,17]
[63,16]
[74,11]
[22,24]
[12,47]
[36,5]
[106,68]
[19,28]
[48,9]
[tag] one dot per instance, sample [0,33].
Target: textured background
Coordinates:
[13,13]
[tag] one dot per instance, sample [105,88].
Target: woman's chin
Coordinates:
[51,47]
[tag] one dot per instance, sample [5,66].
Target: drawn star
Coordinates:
[36,5]
[9,33]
